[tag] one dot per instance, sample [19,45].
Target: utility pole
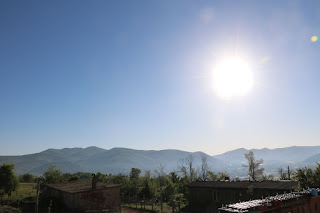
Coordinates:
[37,199]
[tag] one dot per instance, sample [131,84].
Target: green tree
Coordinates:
[285,174]
[133,185]
[148,186]
[267,177]
[174,177]
[53,175]
[27,178]
[204,167]
[282,174]
[123,180]
[212,176]
[183,170]
[119,179]
[101,177]
[308,177]
[168,189]
[135,173]
[74,178]
[222,175]
[316,174]
[253,166]
[192,171]
[8,180]
[186,167]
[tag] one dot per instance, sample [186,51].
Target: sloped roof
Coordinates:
[79,186]
[281,185]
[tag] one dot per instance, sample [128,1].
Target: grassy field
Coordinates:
[7,209]
[17,201]
[24,190]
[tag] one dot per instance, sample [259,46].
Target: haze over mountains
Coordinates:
[94,159]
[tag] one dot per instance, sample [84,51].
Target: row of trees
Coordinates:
[308,177]
[156,186]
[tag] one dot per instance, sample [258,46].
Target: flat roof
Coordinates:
[80,186]
[281,185]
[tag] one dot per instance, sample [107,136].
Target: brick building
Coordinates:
[82,196]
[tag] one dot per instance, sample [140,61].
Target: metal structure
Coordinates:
[286,201]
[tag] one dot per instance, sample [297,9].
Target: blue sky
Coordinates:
[139,74]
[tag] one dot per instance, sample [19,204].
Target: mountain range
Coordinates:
[116,160]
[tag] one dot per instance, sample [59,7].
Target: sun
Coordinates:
[232,77]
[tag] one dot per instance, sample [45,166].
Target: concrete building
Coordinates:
[82,196]
[208,196]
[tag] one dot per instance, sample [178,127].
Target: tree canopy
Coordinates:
[8,180]
[308,177]
[53,175]
[27,178]
[253,165]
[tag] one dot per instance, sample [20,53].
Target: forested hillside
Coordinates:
[116,160]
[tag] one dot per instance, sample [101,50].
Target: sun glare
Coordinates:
[232,77]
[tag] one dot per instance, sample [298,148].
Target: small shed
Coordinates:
[82,196]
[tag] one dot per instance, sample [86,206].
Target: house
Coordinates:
[208,196]
[82,196]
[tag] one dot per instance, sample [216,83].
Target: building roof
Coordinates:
[80,186]
[281,185]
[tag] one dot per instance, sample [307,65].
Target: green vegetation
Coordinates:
[53,175]
[253,165]
[308,178]
[148,208]
[285,174]
[160,188]
[27,178]
[20,199]
[8,180]
[5,209]
[23,191]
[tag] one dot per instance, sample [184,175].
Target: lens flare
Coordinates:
[314,38]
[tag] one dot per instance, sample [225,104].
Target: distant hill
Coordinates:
[287,155]
[94,159]
[313,159]
[233,157]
